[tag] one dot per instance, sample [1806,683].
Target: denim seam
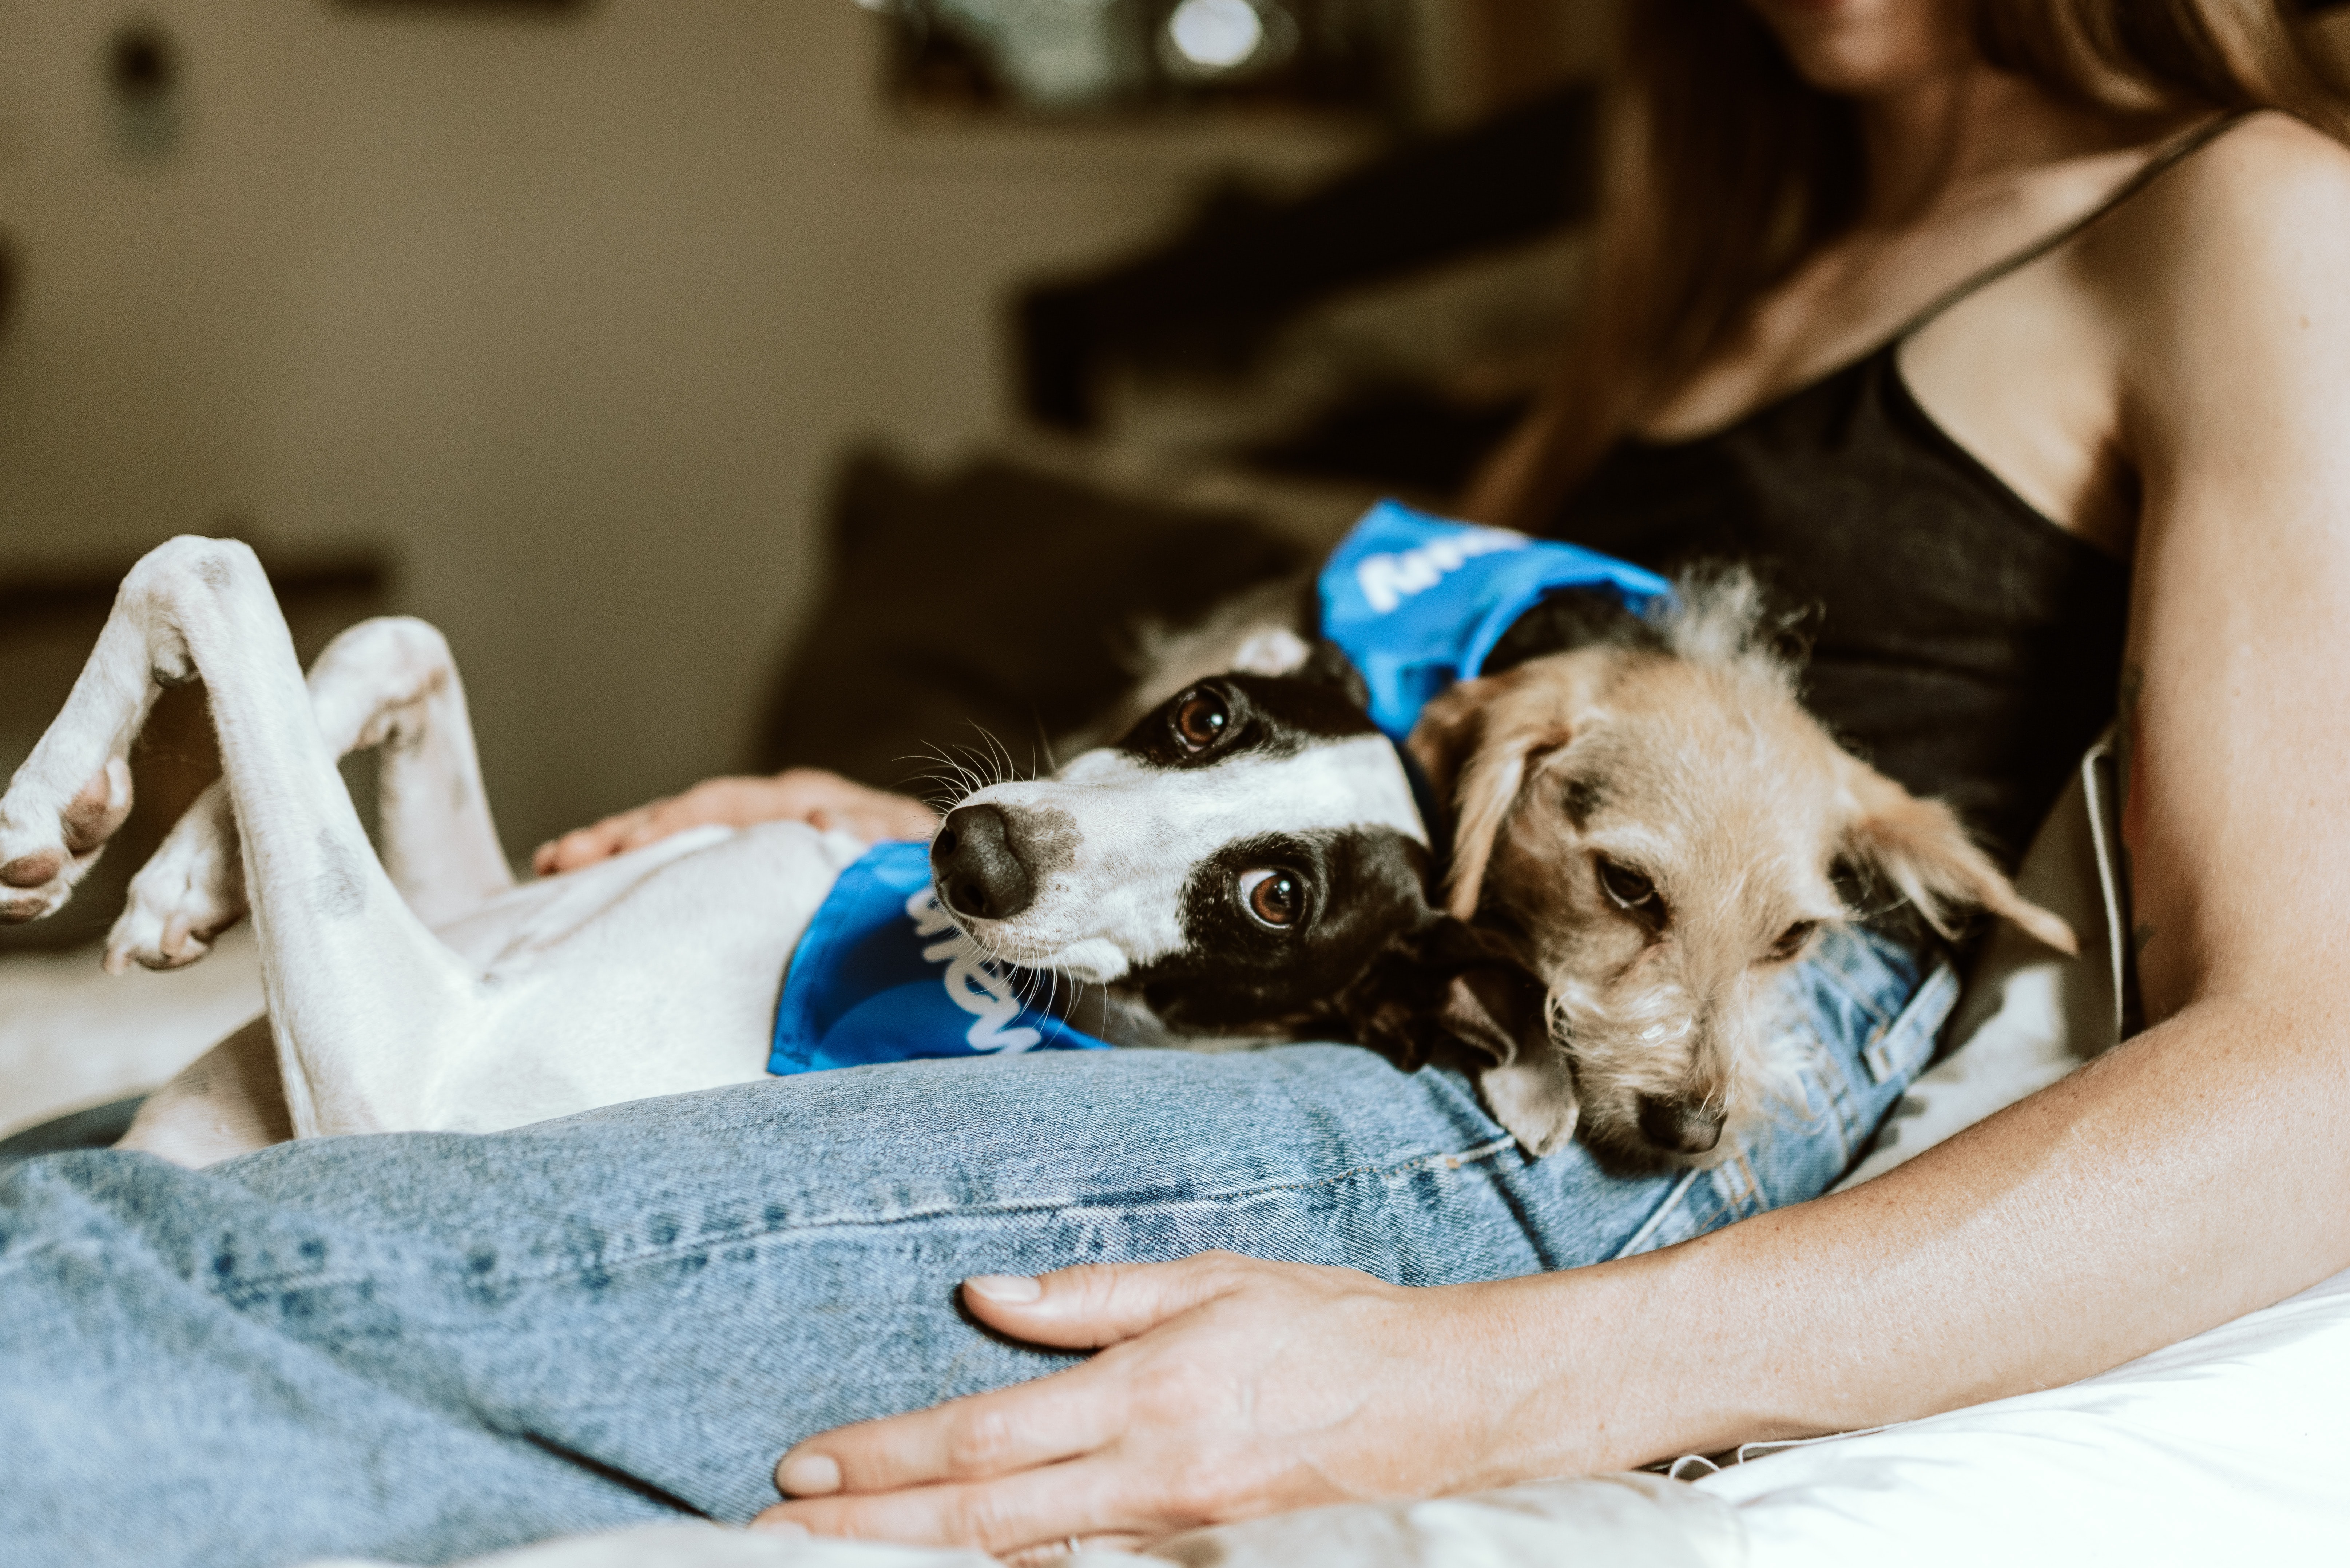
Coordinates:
[1749,1198]
[1676,1199]
[246,1283]
[1867,1003]
[1844,1099]
[1905,1041]
[18,1254]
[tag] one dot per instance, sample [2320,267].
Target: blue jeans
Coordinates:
[426,1346]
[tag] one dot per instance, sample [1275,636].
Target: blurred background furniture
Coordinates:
[574,311]
[1375,334]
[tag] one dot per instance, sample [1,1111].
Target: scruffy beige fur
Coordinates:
[1658,828]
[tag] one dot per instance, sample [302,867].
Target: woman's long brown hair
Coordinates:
[1724,170]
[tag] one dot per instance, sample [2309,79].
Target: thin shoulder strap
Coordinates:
[2184,146]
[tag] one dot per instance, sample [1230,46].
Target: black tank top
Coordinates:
[1961,641]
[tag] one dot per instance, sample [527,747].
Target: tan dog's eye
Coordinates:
[1791,941]
[1277,898]
[1631,892]
[1200,721]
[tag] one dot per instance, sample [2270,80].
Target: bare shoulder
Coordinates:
[2221,287]
[2259,219]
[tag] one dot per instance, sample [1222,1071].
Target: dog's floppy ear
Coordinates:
[1475,742]
[1278,651]
[1449,991]
[1921,849]
[1273,650]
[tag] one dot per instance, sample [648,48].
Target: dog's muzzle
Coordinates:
[978,873]
[1679,1126]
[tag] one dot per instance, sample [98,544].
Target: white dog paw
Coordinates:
[46,850]
[192,891]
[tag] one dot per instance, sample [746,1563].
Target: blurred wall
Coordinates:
[570,316]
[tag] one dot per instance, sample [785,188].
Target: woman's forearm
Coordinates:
[2184,1179]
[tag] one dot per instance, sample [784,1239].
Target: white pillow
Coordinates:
[2029,1014]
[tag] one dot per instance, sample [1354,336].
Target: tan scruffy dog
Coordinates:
[1658,825]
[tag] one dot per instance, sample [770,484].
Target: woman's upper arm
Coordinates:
[2236,406]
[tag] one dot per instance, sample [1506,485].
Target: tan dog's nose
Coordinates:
[1680,1124]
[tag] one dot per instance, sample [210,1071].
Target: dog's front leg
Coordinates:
[366,1007]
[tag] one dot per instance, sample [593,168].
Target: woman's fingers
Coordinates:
[587,846]
[1030,1424]
[823,799]
[828,801]
[1096,1305]
[1033,1509]
[882,817]
[1042,1422]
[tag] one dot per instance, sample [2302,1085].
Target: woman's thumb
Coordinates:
[1094,1304]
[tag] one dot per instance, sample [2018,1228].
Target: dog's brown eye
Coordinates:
[1201,719]
[1791,941]
[1276,897]
[1630,891]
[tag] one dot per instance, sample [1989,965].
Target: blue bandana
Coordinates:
[1417,602]
[882,975]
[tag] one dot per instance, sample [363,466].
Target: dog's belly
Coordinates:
[653,973]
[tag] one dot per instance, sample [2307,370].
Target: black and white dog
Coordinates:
[1247,862]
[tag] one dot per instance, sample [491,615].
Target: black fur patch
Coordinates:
[1583,799]
[1364,887]
[1578,618]
[1271,715]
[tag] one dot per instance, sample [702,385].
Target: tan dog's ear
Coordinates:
[1921,847]
[1447,728]
[1475,742]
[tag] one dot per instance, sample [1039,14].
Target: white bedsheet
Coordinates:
[72,1035]
[2231,1447]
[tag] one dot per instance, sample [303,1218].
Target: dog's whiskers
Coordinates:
[999,756]
[955,781]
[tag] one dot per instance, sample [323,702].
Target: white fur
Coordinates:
[426,991]
[1139,831]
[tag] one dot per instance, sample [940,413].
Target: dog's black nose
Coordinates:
[1678,1125]
[977,873]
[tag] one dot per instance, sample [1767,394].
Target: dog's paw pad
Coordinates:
[36,870]
[92,816]
[45,850]
[35,882]
[175,947]
[154,939]
[188,894]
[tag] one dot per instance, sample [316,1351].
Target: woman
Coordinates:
[574,1323]
[1855,186]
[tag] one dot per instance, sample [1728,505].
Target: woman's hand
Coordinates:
[823,800]
[1231,1389]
